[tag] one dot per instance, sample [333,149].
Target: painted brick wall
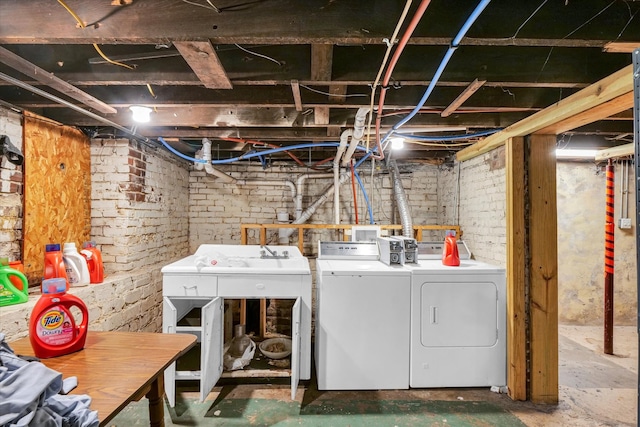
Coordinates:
[139,211]
[473,192]
[11,190]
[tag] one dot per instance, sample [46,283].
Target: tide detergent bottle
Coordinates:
[52,327]
[9,293]
[94,261]
[450,254]
[75,265]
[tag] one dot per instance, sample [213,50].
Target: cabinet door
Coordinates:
[211,349]
[295,347]
[169,322]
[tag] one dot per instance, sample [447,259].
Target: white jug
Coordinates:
[75,265]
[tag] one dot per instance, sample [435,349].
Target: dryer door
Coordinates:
[459,314]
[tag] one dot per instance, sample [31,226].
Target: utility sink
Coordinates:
[246,259]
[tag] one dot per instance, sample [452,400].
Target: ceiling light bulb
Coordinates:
[140,114]
[397,143]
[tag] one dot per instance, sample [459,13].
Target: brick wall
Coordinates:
[139,211]
[474,192]
[11,190]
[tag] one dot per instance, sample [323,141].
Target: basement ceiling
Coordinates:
[295,72]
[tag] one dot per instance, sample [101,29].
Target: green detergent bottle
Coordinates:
[9,294]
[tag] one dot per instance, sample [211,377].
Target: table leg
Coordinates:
[156,405]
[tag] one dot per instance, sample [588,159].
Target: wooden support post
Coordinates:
[543,249]
[516,310]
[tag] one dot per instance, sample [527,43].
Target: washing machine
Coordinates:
[458,324]
[362,329]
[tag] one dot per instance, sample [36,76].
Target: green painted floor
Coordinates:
[325,412]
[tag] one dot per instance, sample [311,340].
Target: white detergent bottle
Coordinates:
[75,265]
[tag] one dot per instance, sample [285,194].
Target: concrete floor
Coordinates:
[595,390]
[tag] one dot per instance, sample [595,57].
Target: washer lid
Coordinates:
[337,267]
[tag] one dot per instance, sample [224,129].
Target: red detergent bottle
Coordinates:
[94,262]
[53,262]
[52,327]
[450,254]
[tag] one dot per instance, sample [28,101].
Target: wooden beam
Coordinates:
[321,115]
[543,272]
[620,47]
[516,286]
[466,94]
[607,109]
[203,60]
[297,99]
[25,67]
[619,151]
[611,87]
[338,93]
[321,61]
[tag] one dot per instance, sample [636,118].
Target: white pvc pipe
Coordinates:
[208,167]
[358,134]
[344,138]
[299,188]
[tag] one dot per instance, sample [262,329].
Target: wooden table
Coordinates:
[116,368]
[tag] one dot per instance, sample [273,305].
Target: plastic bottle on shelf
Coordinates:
[9,293]
[93,256]
[53,330]
[16,280]
[450,254]
[240,342]
[75,265]
[53,262]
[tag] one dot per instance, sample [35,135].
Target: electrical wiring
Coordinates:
[331,94]
[254,143]
[374,86]
[95,46]
[210,5]
[259,55]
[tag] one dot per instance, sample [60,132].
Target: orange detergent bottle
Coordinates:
[94,261]
[53,262]
[450,254]
[52,327]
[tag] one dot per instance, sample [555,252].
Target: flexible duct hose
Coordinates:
[401,200]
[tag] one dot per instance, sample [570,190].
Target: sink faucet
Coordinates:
[274,254]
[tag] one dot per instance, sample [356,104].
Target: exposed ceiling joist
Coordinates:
[297,99]
[203,60]
[47,78]
[466,94]
[605,90]
[619,151]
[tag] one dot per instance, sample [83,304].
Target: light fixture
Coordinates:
[140,114]
[576,153]
[397,143]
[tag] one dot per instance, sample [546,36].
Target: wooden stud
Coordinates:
[605,90]
[466,94]
[321,61]
[203,60]
[338,93]
[619,151]
[297,99]
[543,271]
[516,311]
[321,115]
[620,47]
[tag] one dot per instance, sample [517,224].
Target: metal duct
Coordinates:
[401,200]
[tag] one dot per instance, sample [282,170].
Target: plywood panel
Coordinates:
[57,193]
[543,248]
[516,232]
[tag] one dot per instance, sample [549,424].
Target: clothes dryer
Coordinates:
[458,325]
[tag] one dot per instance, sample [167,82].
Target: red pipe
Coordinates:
[392,64]
[609,239]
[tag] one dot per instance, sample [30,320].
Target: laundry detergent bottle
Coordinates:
[75,265]
[93,256]
[52,327]
[450,254]
[9,292]
[53,262]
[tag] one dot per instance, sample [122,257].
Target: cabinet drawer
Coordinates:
[190,286]
[260,286]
